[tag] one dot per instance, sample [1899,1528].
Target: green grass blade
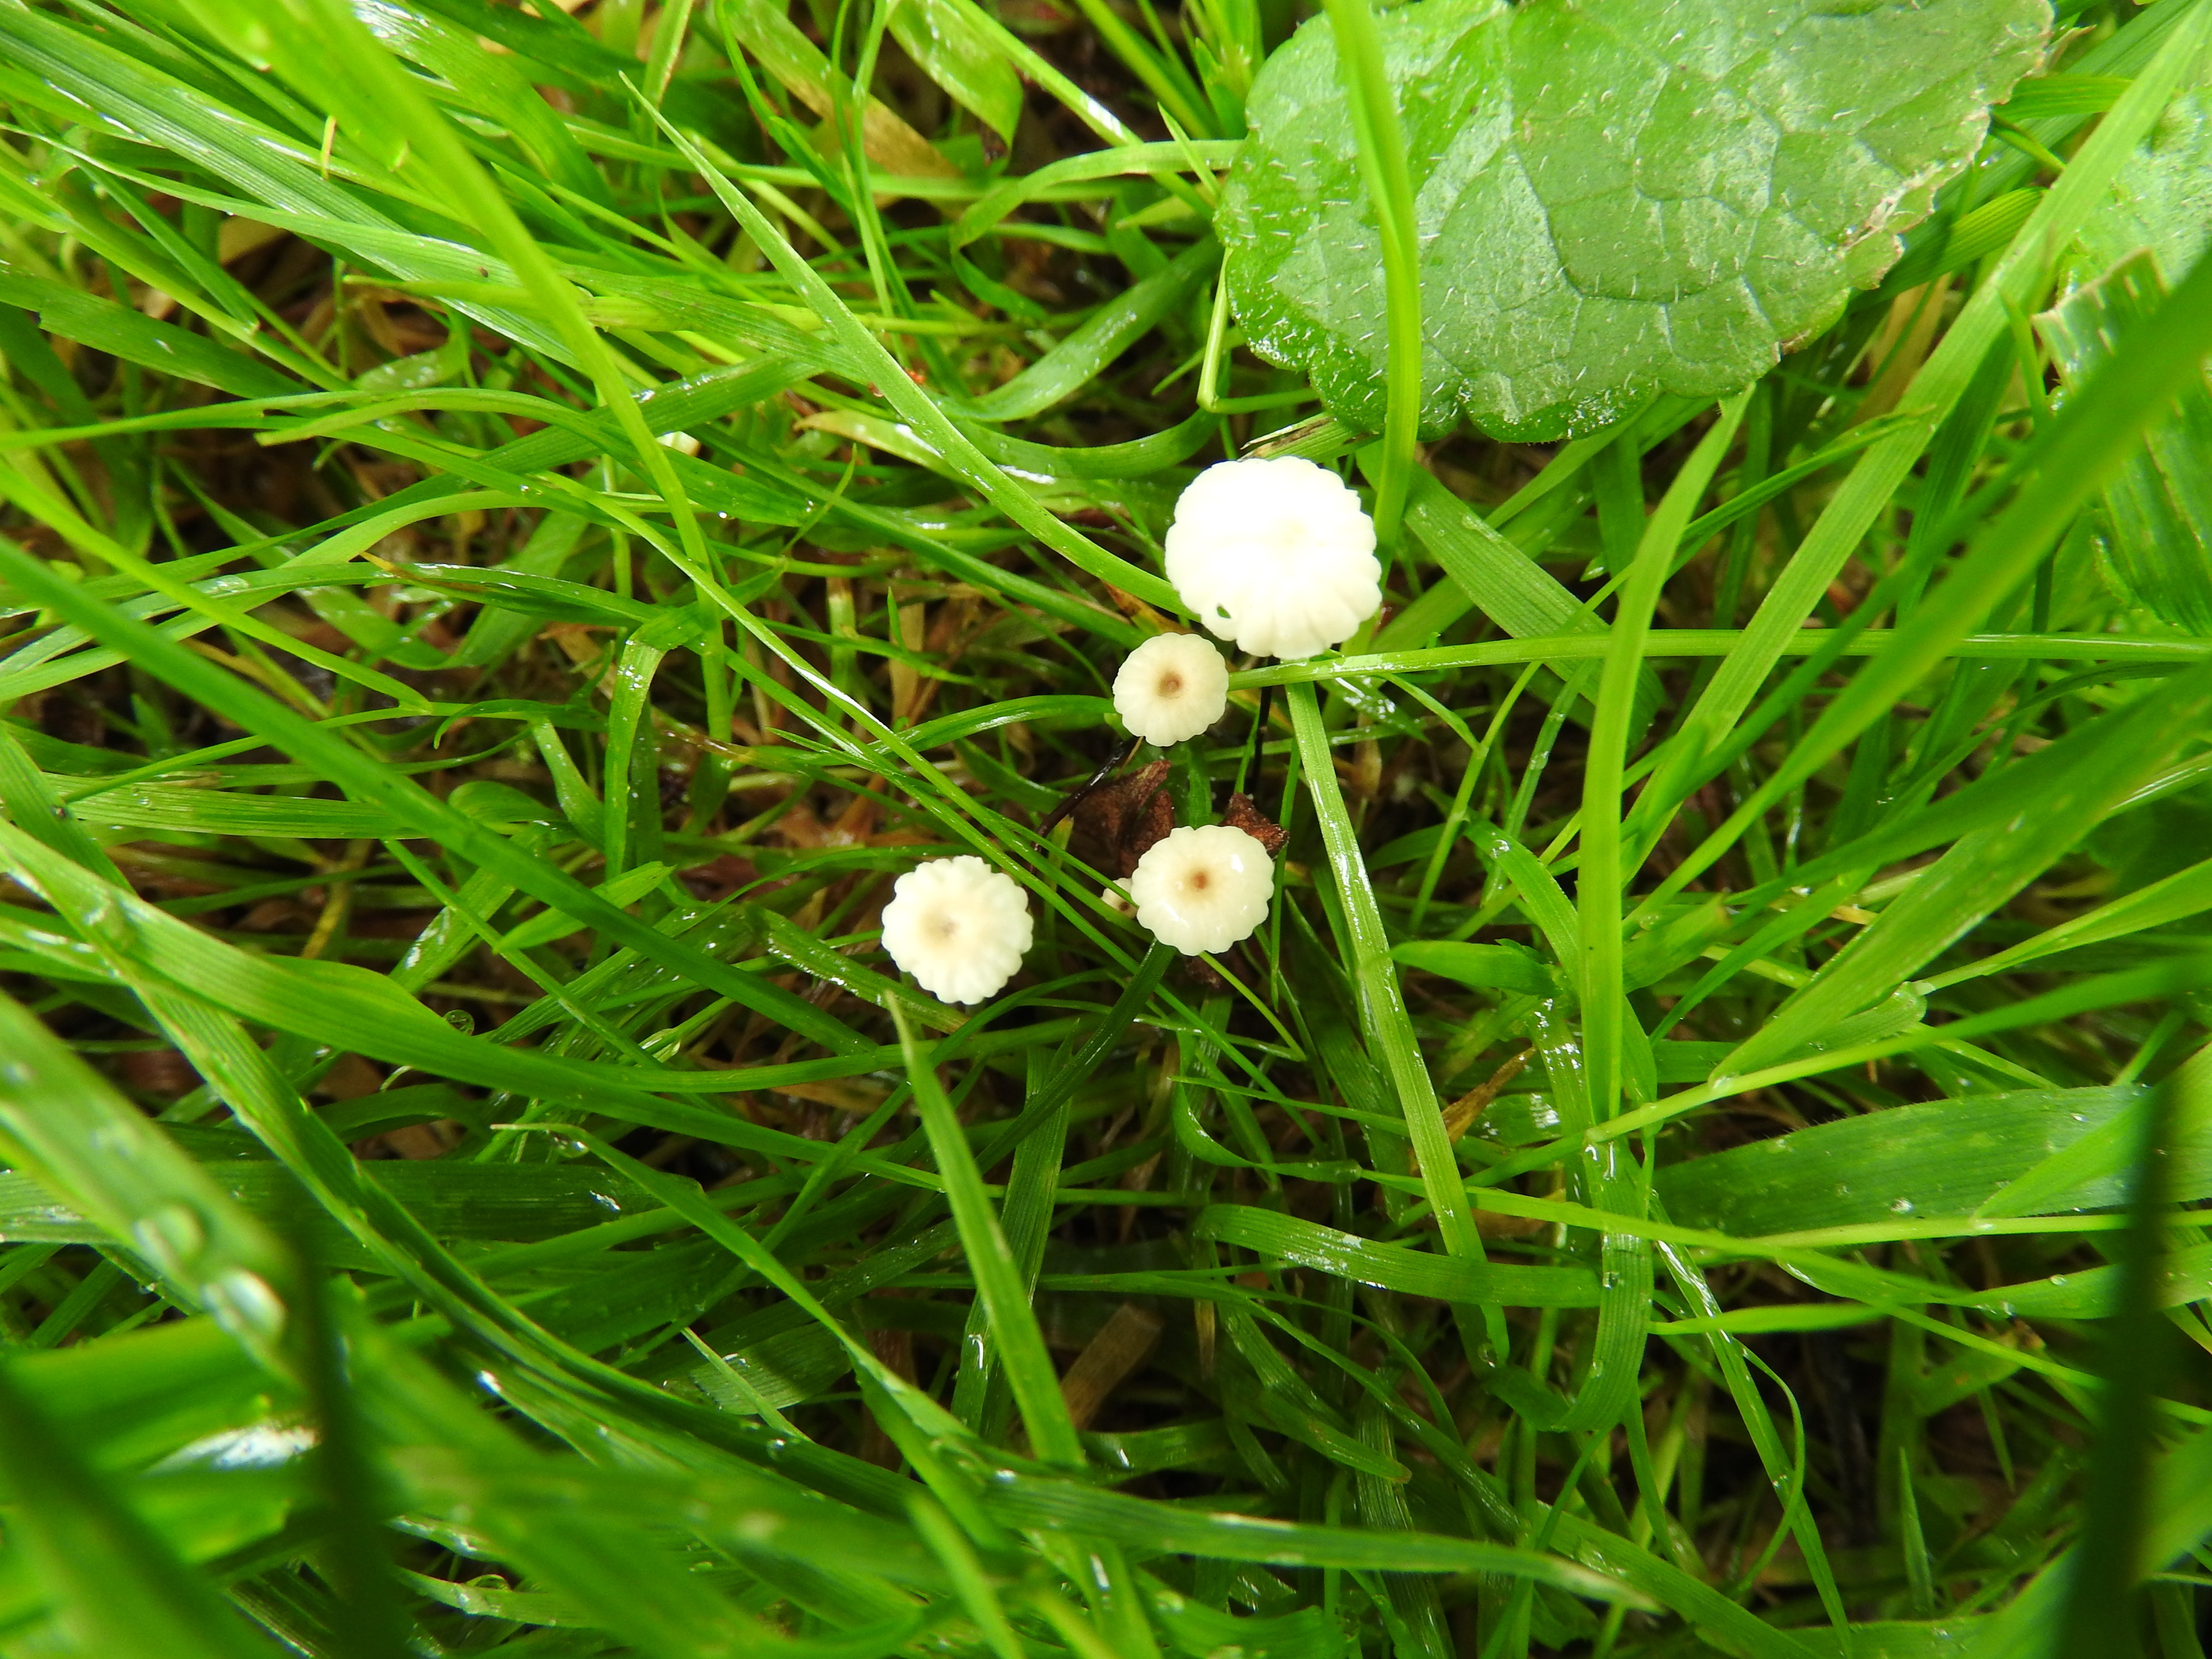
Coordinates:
[998,1279]
[1374,105]
[1942,380]
[1389,1028]
[119,1586]
[1982,871]
[412,806]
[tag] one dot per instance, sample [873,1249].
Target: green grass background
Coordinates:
[517,527]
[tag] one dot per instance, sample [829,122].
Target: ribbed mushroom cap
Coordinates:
[1203,889]
[1171,687]
[959,927]
[1276,554]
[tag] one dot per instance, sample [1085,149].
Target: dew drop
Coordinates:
[170,1236]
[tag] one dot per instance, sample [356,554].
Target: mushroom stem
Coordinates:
[1070,802]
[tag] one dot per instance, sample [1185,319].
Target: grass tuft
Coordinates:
[517,525]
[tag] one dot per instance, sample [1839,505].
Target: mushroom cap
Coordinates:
[1276,554]
[1203,889]
[959,927]
[1171,687]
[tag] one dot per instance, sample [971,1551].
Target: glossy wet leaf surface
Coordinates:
[1614,201]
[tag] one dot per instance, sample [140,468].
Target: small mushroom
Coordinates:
[1276,554]
[1172,687]
[959,927]
[1203,889]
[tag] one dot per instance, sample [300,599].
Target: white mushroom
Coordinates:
[959,927]
[1173,686]
[1276,554]
[1203,889]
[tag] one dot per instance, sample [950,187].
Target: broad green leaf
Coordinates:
[1615,200]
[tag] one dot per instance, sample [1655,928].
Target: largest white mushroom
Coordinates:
[1276,554]
[959,927]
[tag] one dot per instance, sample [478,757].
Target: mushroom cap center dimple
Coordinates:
[1199,878]
[945,927]
[1170,684]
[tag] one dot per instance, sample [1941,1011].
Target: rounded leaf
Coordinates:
[1615,198]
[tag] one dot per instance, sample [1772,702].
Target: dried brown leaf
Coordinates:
[1243,815]
[1116,824]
